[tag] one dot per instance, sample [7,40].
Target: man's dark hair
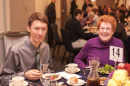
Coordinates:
[77,11]
[37,16]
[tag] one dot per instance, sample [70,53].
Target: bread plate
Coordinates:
[80,82]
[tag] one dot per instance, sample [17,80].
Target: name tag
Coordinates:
[116,54]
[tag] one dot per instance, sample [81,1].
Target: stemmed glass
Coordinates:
[44,69]
[45,82]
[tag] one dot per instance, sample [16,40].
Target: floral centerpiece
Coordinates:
[125,66]
[119,77]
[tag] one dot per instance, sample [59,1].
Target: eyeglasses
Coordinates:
[103,29]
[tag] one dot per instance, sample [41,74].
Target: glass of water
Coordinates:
[45,82]
[54,83]
[44,67]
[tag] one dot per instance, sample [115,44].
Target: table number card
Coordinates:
[116,54]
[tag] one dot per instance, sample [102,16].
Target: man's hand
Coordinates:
[33,74]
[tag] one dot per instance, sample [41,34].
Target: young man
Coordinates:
[78,37]
[22,59]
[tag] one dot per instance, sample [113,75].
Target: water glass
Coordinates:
[43,67]
[54,83]
[45,82]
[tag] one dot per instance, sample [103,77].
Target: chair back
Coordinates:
[12,38]
[55,32]
[67,39]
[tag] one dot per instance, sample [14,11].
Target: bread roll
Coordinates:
[73,80]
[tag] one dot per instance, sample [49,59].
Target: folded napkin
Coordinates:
[67,75]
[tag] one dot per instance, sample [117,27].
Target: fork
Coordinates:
[84,73]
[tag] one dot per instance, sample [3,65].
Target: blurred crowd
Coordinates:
[121,10]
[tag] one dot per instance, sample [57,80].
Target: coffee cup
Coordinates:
[17,81]
[72,67]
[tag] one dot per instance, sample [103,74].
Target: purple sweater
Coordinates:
[97,48]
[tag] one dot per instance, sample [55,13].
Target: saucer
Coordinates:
[25,83]
[66,69]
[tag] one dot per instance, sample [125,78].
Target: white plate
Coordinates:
[47,74]
[66,69]
[25,83]
[80,82]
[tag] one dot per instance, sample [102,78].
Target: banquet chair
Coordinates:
[56,38]
[12,38]
[68,44]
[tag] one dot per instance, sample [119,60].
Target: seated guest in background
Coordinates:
[120,32]
[95,10]
[78,36]
[109,9]
[100,10]
[22,59]
[88,20]
[123,12]
[104,9]
[120,15]
[87,4]
[99,46]
[88,9]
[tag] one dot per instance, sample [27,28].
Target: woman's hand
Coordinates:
[87,67]
[88,22]
[33,74]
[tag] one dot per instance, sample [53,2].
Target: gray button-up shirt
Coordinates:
[22,57]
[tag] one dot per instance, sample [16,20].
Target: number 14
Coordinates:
[117,52]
